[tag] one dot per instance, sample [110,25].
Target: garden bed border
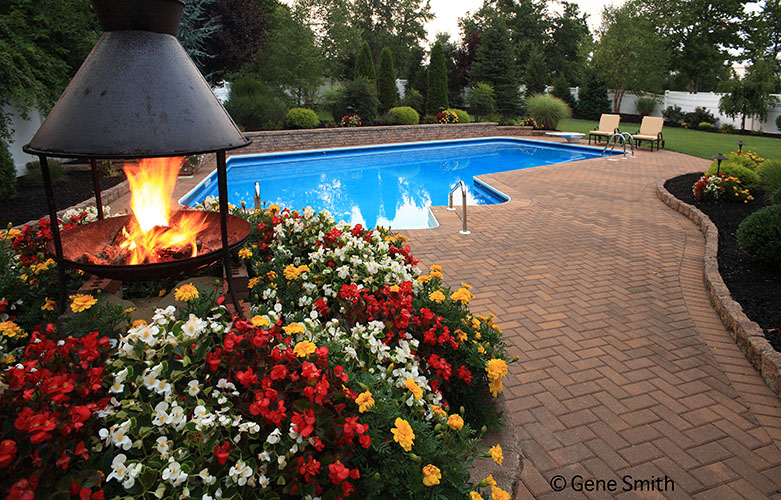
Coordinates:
[747,334]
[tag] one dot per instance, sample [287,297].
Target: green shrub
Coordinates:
[325,116]
[592,99]
[646,105]
[561,90]
[385,119]
[481,100]
[674,115]
[413,99]
[404,115]
[770,178]
[778,122]
[759,235]
[493,117]
[361,94]
[747,177]
[744,160]
[705,126]
[301,118]
[463,116]
[547,110]
[7,172]
[429,119]
[700,115]
[775,197]
[34,176]
[727,128]
[255,106]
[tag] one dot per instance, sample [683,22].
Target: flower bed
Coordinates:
[356,376]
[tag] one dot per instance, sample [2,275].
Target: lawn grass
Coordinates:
[692,142]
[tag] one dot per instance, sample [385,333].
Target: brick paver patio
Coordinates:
[624,367]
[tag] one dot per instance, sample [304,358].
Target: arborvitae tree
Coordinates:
[536,74]
[561,90]
[364,64]
[495,64]
[386,83]
[592,98]
[436,95]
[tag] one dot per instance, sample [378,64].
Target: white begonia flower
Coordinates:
[193,327]
[263,481]
[150,376]
[207,478]
[161,413]
[132,473]
[148,335]
[240,473]
[282,461]
[163,388]
[162,446]
[176,417]
[264,456]
[274,437]
[162,316]
[119,378]
[117,435]
[193,388]
[206,496]
[118,468]
[343,272]
[173,473]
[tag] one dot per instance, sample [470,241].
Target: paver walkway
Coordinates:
[625,369]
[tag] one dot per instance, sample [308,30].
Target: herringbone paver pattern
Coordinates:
[624,369]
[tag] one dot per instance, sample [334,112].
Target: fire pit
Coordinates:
[139,96]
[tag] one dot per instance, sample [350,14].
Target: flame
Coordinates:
[155,231]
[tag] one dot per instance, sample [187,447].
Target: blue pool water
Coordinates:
[391,185]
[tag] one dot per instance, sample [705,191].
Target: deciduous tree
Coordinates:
[751,95]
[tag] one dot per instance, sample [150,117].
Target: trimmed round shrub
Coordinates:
[759,235]
[301,118]
[705,126]
[747,177]
[463,116]
[547,110]
[404,115]
[7,172]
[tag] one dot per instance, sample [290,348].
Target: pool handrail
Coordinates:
[462,186]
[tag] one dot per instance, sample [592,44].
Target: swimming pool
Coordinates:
[390,185]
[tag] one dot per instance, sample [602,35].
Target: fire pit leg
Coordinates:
[96,184]
[47,186]
[222,189]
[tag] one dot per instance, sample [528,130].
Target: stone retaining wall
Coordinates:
[292,140]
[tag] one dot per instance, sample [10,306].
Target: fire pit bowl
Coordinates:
[91,238]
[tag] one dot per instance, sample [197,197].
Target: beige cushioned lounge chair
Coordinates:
[608,125]
[650,131]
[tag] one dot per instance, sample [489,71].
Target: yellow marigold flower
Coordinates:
[465,285]
[473,495]
[304,349]
[252,282]
[436,274]
[291,272]
[273,209]
[460,336]
[161,292]
[423,279]
[139,323]
[186,293]
[259,321]
[271,275]
[437,297]
[475,323]
[431,475]
[490,480]
[293,328]
[48,304]
[496,369]
[478,335]
[455,422]
[496,454]
[364,401]
[23,277]
[499,494]
[462,295]
[8,359]
[245,253]
[129,310]
[480,348]
[403,434]
[10,329]
[394,288]
[495,387]
[414,388]
[436,267]
[437,410]
[82,302]
[389,238]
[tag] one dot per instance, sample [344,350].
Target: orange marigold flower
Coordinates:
[403,434]
[431,475]
[82,302]
[186,293]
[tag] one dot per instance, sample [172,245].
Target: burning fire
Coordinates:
[155,233]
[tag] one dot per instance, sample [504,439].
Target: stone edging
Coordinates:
[746,333]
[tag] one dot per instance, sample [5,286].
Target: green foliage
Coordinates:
[778,122]
[561,90]
[255,106]
[34,175]
[386,83]
[7,173]
[747,177]
[759,235]
[536,73]
[436,93]
[404,115]
[750,96]
[727,128]
[301,118]
[674,114]
[699,115]
[547,110]
[646,105]
[705,126]
[481,100]
[194,30]
[463,116]
[592,99]
[364,64]
[413,99]
[362,96]
[770,178]
[494,64]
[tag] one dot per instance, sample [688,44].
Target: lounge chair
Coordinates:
[608,125]
[650,131]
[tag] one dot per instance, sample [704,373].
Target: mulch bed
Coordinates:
[755,286]
[30,202]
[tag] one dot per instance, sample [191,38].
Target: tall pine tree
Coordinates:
[436,95]
[495,64]
[536,75]
[386,83]
[364,64]
[592,98]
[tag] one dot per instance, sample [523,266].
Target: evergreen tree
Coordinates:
[495,64]
[436,95]
[561,90]
[195,29]
[592,99]
[536,75]
[386,83]
[364,64]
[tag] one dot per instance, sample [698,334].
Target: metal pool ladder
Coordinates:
[461,186]
[257,195]
[611,143]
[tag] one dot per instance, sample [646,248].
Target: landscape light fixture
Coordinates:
[719,157]
[740,147]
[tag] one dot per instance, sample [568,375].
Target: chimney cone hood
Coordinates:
[138,94]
